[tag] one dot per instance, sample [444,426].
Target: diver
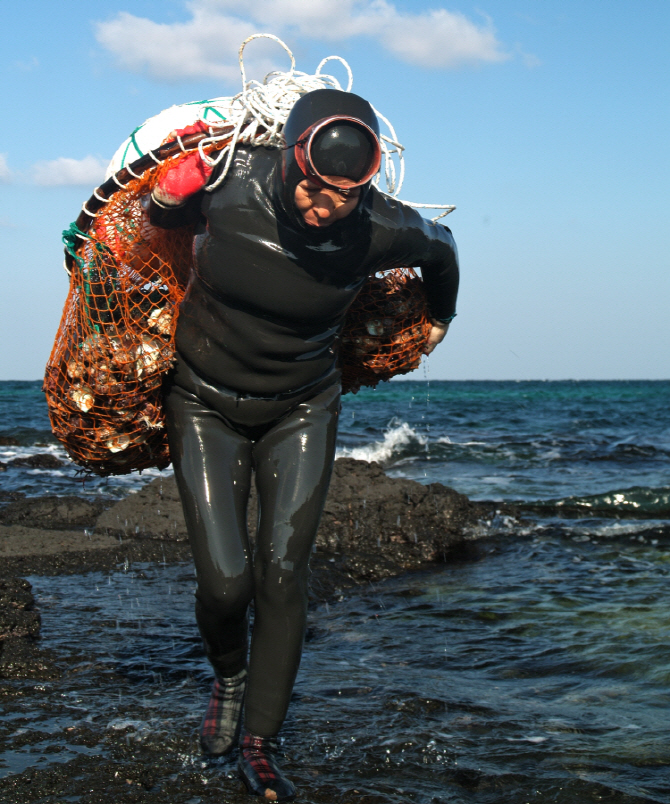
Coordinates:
[281,249]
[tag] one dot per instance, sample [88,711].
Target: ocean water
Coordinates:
[538,673]
[507,441]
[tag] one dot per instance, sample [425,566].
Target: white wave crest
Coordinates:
[396,439]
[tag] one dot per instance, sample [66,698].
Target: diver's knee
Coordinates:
[281,588]
[227,597]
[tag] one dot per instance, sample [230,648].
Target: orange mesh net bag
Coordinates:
[115,342]
[116,336]
[386,329]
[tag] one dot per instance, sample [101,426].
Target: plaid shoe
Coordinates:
[259,771]
[221,723]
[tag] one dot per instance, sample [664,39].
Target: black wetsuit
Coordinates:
[257,387]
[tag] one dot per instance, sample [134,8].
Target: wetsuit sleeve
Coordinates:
[418,243]
[186,214]
[439,269]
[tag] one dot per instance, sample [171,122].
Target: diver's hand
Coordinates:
[436,336]
[188,176]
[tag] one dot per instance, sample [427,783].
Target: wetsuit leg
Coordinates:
[212,466]
[292,446]
[293,466]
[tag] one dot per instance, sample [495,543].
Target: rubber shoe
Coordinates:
[259,771]
[221,724]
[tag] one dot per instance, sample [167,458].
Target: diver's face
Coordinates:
[321,206]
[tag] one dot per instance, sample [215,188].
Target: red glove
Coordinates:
[196,128]
[188,176]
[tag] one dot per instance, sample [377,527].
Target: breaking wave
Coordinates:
[400,442]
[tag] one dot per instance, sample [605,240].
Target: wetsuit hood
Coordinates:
[328,132]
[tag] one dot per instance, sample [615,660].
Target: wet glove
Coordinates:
[188,176]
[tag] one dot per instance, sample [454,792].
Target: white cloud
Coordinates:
[89,171]
[5,172]
[440,39]
[206,45]
[200,48]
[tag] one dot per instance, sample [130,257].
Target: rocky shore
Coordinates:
[373,527]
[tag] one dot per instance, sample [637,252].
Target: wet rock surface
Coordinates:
[20,655]
[10,496]
[8,441]
[374,527]
[42,460]
[54,513]
[117,767]
[154,512]
[17,615]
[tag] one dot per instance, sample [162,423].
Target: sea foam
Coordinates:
[398,439]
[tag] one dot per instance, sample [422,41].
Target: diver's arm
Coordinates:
[440,272]
[433,250]
[405,238]
[172,216]
[441,276]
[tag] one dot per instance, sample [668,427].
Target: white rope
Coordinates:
[259,111]
[154,157]
[100,197]
[90,214]
[446,207]
[257,115]
[346,67]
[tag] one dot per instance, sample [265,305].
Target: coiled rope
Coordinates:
[259,111]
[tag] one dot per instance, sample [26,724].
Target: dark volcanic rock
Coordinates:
[392,518]
[120,557]
[17,615]
[19,627]
[154,512]
[54,513]
[11,495]
[43,460]
[8,441]
[373,526]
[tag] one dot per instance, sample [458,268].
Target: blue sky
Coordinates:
[546,123]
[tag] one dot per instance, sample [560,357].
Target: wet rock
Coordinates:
[3,467]
[23,658]
[8,441]
[21,541]
[17,615]
[6,496]
[42,460]
[154,512]
[19,627]
[392,518]
[54,513]
[92,557]
[373,526]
